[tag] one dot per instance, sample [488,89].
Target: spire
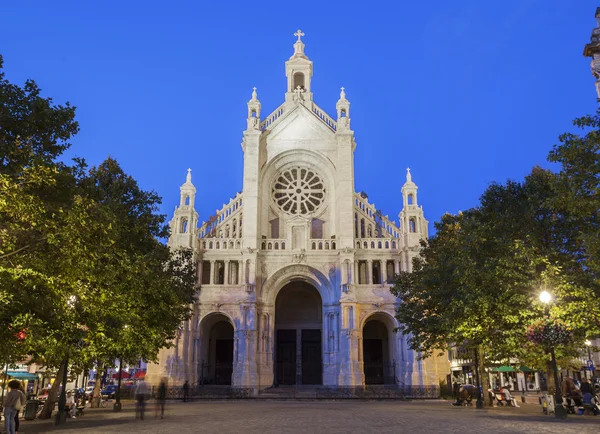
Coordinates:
[254,111]
[298,70]
[409,190]
[299,46]
[188,178]
[408,176]
[343,111]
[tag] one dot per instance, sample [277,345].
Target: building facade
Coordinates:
[295,270]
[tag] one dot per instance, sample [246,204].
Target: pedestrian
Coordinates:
[586,387]
[13,403]
[455,389]
[186,391]
[17,413]
[70,403]
[141,392]
[161,398]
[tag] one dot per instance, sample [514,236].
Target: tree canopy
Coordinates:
[83,271]
[478,279]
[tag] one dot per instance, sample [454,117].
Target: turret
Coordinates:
[185,218]
[299,71]
[413,225]
[254,112]
[343,111]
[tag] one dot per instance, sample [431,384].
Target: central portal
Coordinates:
[298,324]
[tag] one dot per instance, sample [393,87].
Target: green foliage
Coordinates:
[83,274]
[478,279]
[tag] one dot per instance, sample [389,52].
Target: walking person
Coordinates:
[161,398]
[13,403]
[141,392]
[186,391]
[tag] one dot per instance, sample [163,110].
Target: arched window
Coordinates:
[370,232]
[343,113]
[184,225]
[412,224]
[379,244]
[355,225]
[227,231]
[283,245]
[276,245]
[253,113]
[333,245]
[411,199]
[366,245]
[298,81]
[218,245]
[387,244]
[358,244]
[320,246]
[362,228]
[314,246]
[187,200]
[204,245]
[372,244]
[269,246]
[393,244]
[264,246]
[326,245]
[210,245]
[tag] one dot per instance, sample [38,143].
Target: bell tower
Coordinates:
[299,71]
[413,225]
[185,218]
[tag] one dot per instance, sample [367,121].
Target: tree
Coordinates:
[477,280]
[83,275]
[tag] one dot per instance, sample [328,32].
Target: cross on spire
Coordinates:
[299,33]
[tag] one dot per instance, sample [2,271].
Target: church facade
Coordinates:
[294,271]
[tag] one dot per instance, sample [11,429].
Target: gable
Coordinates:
[300,129]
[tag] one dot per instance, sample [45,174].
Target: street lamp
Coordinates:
[559,411]
[591,368]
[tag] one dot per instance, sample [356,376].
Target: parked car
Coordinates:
[109,391]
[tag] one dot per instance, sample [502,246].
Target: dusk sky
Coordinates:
[463,92]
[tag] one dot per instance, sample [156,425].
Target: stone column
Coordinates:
[212,272]
[226,280]
[384,275]
[397,268]
[369,273]
[243,272]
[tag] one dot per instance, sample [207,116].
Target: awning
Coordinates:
[524,368]
[21,375]
[124,374]
[503,369]
[139,374]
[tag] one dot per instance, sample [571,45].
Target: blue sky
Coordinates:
[464,92]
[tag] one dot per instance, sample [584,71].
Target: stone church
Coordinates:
[294,271]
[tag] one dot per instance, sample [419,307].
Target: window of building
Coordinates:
[376,272]
[205,272]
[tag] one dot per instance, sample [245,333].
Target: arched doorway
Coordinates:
[298,345]
[217,350]
[377,363]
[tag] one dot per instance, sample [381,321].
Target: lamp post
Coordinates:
[117,405]
[559,411]
[591,368]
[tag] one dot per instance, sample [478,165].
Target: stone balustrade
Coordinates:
[272,118]
[325,118]
[273,244]
[221,243]
[377,243]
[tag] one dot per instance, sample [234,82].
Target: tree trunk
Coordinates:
[53,395]
[97,388]
[485,378]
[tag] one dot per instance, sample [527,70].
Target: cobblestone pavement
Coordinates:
[330,417]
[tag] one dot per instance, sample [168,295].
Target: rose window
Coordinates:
[298,191]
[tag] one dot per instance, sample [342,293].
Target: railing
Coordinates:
[380,373]
[322,244]
[221,243]
[272,118]
[273,244]
[325,118]
[377,243]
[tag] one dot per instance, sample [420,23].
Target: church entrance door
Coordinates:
[216,350]
[298,325]
[376,354]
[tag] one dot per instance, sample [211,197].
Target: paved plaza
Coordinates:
[321,417]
